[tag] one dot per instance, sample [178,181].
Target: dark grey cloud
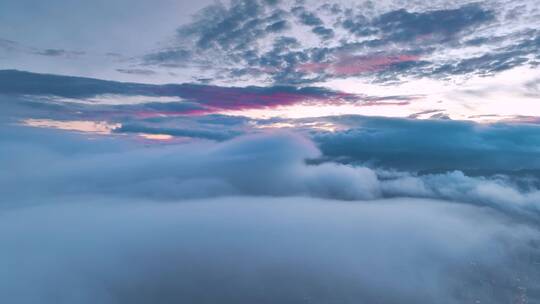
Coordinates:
[209,98]
[234,28]
[211,134]
[137,71]
[310,19]
[59,53]
[8,45]
[497,60]
[402,25]
[19,82]
[323,32]
[418,114]
[169,57]
[485,64]
[440,116]
[53,52]
[277,26]
[433,145]
[236,31]
[15,47]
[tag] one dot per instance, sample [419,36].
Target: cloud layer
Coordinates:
[259,165]
[251,219]
[198,99]
[433,144]
[264,250]
[292,42]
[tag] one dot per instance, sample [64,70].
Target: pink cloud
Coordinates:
[353,65]
[215,99]
[313,67]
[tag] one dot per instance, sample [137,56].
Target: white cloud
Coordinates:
[89,250]
[114,222]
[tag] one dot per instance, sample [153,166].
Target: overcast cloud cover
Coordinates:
[269,152]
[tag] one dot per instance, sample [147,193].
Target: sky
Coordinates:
[458,59]
[269,151]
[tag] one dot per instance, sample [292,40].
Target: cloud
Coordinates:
[426,112]
[264,164]
[323,32]
[255,97]
[499,192]
[432,144]
[206,98]
[310,19]
[14,47]
[168,57]
[59,53]
[401,25]
[211,134]
[251,220]
[484,64]
[53,52]
[262,250]
[306,17]
[355,65]
[240,41]
[235,28]
[26,83]
[137,71]
[99,127]
[233,167]
[8,45]
[427,145]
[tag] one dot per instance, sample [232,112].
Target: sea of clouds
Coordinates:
[252,220]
